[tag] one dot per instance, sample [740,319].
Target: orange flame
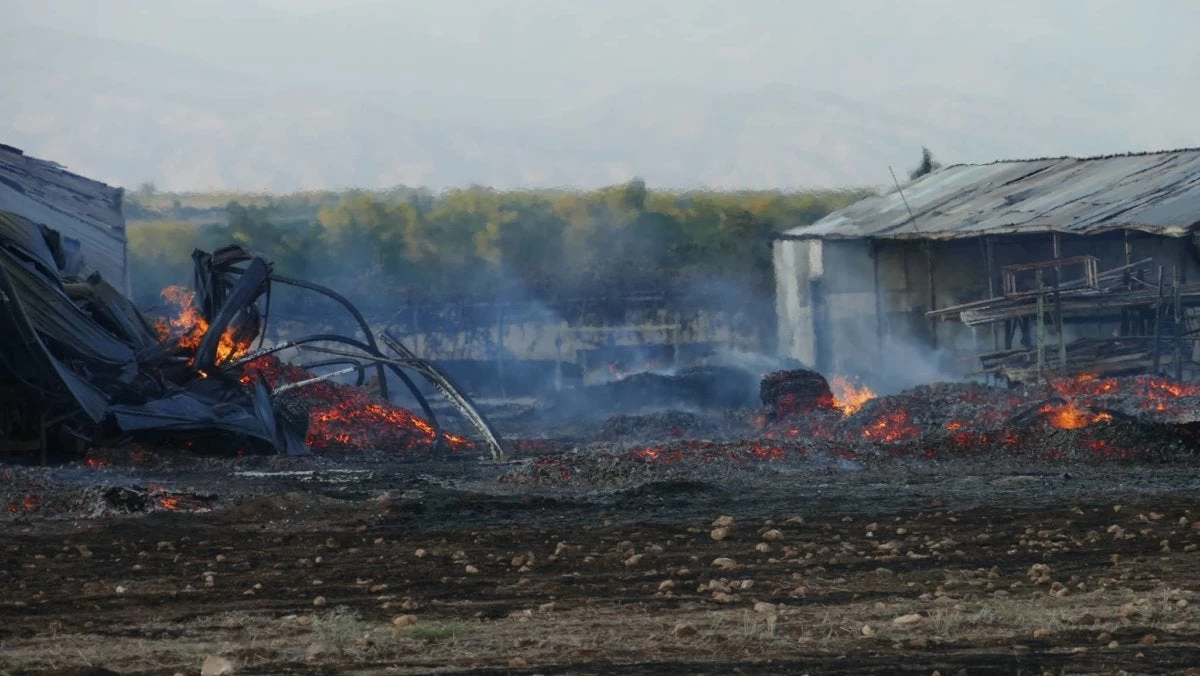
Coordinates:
[891,428]
[190,326]
[1085,384]
[1070,416]
[848,396]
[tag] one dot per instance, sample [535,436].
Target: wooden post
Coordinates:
[932,293]
[1158,323]
[1058,327]
[1041,329]
[1178,314]
[1058,317]
[990,264]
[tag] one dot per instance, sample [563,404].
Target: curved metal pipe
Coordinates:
[362,321]
[439,443]
[344,361]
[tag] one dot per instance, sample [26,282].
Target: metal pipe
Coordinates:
[335,338]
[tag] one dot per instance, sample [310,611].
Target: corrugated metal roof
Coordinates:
[1152,192]
[84,210]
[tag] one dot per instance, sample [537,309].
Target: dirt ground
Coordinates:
[411,568]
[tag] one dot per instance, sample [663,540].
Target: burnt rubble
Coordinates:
[1084,419]
[81,366]
[700,387]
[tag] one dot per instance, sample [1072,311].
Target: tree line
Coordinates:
[478,241]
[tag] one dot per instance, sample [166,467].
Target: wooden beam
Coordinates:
[990,264]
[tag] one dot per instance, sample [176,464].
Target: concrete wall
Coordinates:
[636,333]
[797,262]
[858,307]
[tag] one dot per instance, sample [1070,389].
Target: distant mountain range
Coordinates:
[126,112]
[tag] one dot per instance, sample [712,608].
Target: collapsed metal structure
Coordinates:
[78,361]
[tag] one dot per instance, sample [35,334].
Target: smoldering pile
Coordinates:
[81,366]
[1085,419]
[338,417]
[692,388]
[1059,421]
[674,424]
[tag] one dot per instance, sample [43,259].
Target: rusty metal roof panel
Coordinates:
[1153,192]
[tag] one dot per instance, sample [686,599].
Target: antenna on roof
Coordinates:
[911,217]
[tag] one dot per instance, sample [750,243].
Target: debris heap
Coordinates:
[79,362]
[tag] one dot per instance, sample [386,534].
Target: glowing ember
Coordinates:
[848,396]
[189,325]
[708,451]
[1158,388]
[28,505]
[891,428]
[1085,384]
[1070,416]
[344,417]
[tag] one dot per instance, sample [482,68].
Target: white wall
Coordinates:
[796,261]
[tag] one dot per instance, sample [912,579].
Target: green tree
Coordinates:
[160,255]
[290,245]
[368,235]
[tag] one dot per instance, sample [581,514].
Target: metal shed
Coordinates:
[861,289]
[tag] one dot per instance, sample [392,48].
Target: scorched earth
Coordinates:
[949,528]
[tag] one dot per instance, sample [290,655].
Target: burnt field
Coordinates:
[948,528]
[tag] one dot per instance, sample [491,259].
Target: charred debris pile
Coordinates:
[80,366]
[1084,418]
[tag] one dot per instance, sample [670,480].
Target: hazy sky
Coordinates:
[760,93]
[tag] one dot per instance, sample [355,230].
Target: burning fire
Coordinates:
[1085,384]
[350,417]
[190,326]
[849,397]
[1070,416]
[891,428]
